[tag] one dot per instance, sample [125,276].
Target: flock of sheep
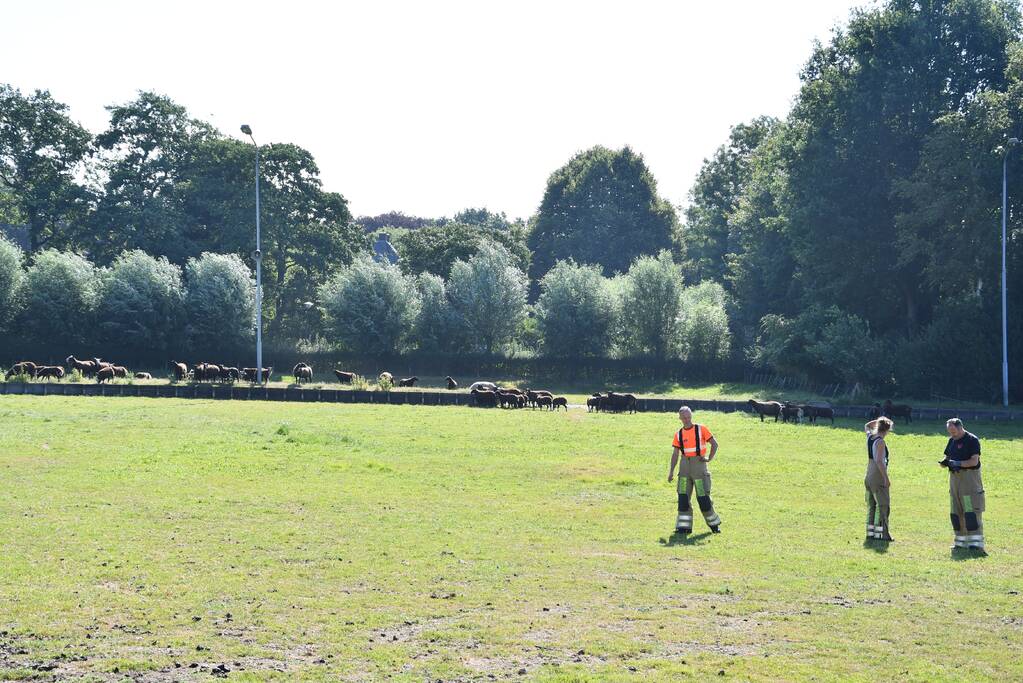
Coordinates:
[484,394]
[103,371]
[799,412]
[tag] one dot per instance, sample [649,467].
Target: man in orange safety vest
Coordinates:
[691,444]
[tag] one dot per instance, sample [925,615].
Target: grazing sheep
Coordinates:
[250,374]
[811,413]
[485,386]
[229,374]
[509,398]
[545,402]
[302,371]
[560,402]
[49,371]
[344,377]
[894,410]
[143,375]
[452,384]
[88,368]
[768,408]
[105,374]
[408,381]
[180,370]
[532,396]
[617,403]
[791,411]
[25,367]
[593,403]
[386,377]
[120,371]
[484,398]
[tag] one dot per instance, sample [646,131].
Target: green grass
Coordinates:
[141,537]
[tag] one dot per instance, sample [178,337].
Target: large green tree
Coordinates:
[708,233]
[435,248]
[42,151]
[868,103]
[600,208]
[307,233]
[145,149]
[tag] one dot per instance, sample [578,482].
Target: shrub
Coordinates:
[140,302]
[704,334]
[488,299]
[11,276]
[370,307]
[219,302]
[59,297]
[434,324]
[575,312]
[651,307]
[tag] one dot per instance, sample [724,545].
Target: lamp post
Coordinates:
[1010,143]
[259,270]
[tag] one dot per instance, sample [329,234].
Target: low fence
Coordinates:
[424,398]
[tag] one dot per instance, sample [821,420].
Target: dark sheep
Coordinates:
[452,384]
[811,413]
[560,402]
[545,402]
[344,377]
[509,398]
[143,375]
[791,411]
[483,398]
[408,381]
[617,403]
[229,374]
[48,371]
[25,367]
[532,396]
[88,368]
[180,370]
[593,403]
[302,371]
[120,371]
[894,410]
[105,374]
[249,374]
[769,408]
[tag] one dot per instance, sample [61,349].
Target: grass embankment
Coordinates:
[164,538]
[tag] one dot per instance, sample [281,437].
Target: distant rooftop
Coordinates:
[383,250]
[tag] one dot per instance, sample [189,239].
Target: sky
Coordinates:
[432,107]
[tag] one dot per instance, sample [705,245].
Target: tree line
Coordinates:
[855,240]
[143,306]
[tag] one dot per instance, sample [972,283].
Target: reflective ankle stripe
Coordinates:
[960,541]
[713,521]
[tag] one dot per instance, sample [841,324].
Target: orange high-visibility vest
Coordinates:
[693,441]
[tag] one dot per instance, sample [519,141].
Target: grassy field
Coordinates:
[166,540]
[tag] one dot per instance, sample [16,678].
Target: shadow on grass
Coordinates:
[964,554]
[683,539]
[878,545]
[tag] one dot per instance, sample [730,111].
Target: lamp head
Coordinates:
[248,131]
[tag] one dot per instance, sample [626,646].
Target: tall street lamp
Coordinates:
[259,270]
[1010,143]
